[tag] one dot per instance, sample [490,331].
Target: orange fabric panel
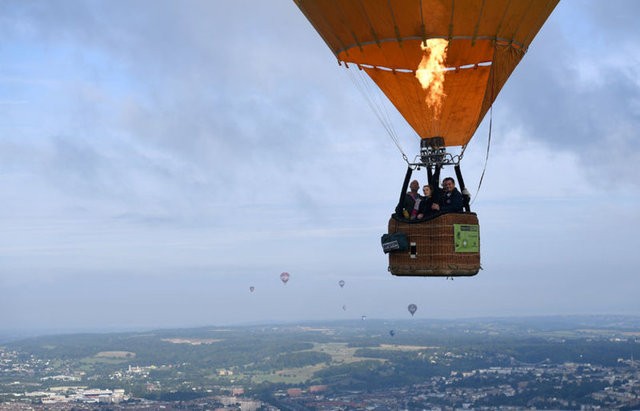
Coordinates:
[348,24]
[388,34]
[504,62]
[461,110]
[469,93]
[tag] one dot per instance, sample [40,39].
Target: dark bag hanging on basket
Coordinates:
[394,242]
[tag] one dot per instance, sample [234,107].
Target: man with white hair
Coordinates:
[412,201]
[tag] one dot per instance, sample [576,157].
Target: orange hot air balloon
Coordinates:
[486,39]
[441,63]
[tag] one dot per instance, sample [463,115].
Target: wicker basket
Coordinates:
[433,250]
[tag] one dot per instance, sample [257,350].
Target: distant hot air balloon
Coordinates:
[412,309]
[344,307]
[284,277]
[341,283]
[442,64]
[252,288]
[392,333]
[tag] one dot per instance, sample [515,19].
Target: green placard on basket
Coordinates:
[467,238]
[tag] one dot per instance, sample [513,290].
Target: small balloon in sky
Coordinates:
[284,277]
[252,288]
[344,307]
[341,283]
[412,309]
[392,333]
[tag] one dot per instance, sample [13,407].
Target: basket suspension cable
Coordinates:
[405,184]
[462,152]
[377,107]
[465,194]
[364,89]
[436,175]
[436,183]
[378,102]
[486,159]
[433,153]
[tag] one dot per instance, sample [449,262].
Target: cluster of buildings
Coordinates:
[516,387]
[38,381]
[71,394]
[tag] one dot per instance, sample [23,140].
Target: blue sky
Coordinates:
[157,158]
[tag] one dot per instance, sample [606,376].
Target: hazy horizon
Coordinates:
[9,335]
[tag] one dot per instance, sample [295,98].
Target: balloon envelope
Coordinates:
[284,277]
[485,42]
[252,288]
[341,283]
[412,308]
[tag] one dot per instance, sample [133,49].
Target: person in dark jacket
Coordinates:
[425,208]
[451,200]
[412,201]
